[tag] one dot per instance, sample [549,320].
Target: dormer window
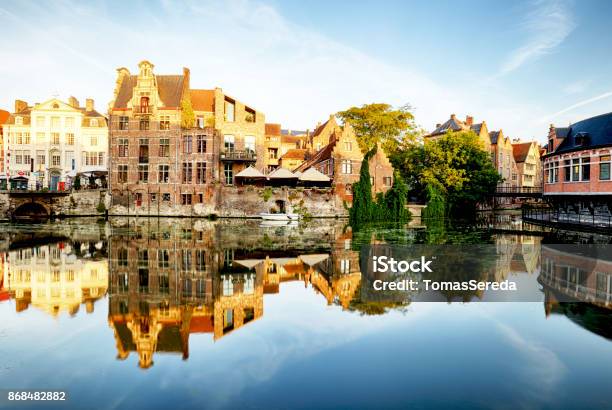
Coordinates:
[55,106]
[581,138]
[550,145]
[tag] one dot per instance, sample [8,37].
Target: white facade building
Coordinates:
[50,144]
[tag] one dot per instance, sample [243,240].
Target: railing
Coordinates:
[233,155]
[518,190]
[141,109]
[555,216]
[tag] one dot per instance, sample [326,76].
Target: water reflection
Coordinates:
[165,280]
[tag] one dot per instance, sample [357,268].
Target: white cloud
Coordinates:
[548,24]
[573,107]
[576,87]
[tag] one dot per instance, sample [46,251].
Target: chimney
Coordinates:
[186,81]
[20,105]
[469,120]
[89,104]
[73,102]
[453,117]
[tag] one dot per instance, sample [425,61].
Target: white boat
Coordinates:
[279,217]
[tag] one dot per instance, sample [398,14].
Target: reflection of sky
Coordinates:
[303,353]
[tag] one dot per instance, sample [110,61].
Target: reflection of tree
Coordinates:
[369,302]
[593,318]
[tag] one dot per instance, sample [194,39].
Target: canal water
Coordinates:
[181,313]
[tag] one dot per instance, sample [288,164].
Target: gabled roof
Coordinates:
[281,173]
[202,100]
[319,129]
[312,175]
[273,129]
[321,155]
[452,124]
[596,132]
[561,132]
[494,135]
[294,154]
[169,87]
[292,139]
[520,151]
[476,128]
[250,172]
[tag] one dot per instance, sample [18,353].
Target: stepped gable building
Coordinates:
[48,145]
[340,159]
[171,143]
[577,176]
[527,158]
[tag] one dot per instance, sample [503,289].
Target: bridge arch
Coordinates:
[31,210]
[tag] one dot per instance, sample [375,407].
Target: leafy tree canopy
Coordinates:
[380,123]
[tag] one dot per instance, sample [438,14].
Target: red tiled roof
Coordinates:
[295,154]
[319,129]
[4,115]
[321,155]
[520,151]
[292,139]
[203,100]
[273,129]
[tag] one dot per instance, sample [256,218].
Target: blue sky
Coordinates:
[518,65]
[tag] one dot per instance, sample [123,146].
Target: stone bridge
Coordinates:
[45,204]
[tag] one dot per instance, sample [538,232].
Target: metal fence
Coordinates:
[557,216]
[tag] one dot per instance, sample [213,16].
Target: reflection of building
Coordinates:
[50,143]
[167,283]
[576,273]
[54,279]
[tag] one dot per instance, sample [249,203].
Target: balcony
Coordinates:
[143,110]
[238,156]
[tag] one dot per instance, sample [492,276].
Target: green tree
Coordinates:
[187,115]
[380,123]
[453,169]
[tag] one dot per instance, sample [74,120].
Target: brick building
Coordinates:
[340,159]
[170,144]
[577,177]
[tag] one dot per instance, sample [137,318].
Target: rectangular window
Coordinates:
[163,258]
[604,167]
[575,169]
[143,151]
[122,174]
[166,197]
[164,147]
[249,144]
[228,142]
[55,123]
[70,138]
[40,121]
[348,146]
[201,143]
[200,172]
[228,173]
[56,160]
[187,144]
[586,168]
[18,157]
[40,158]
[347,166]
[164,174]
[143,173]
[187,174]
[164,122]
[230,110]
[70,162]
[200,122]
[26,138]
[387,181]
[567,171]
[124,123]
[40,137]
[26,157]
[123,147]
[186,199]
[55,138]
[272,153]
[69,122]
[144,124]
[200,260]
[93,141]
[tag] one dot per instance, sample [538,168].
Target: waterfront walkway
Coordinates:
[560,219]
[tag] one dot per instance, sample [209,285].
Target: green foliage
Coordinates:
[267,194]
[381,124]
[187,114]
[436,204]
[77,183]
[101,208]
[387,207]
[455,165]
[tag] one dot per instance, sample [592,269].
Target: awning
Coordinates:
[249,263]
[250,172]
[312,175]
[282,173]
[313,259]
